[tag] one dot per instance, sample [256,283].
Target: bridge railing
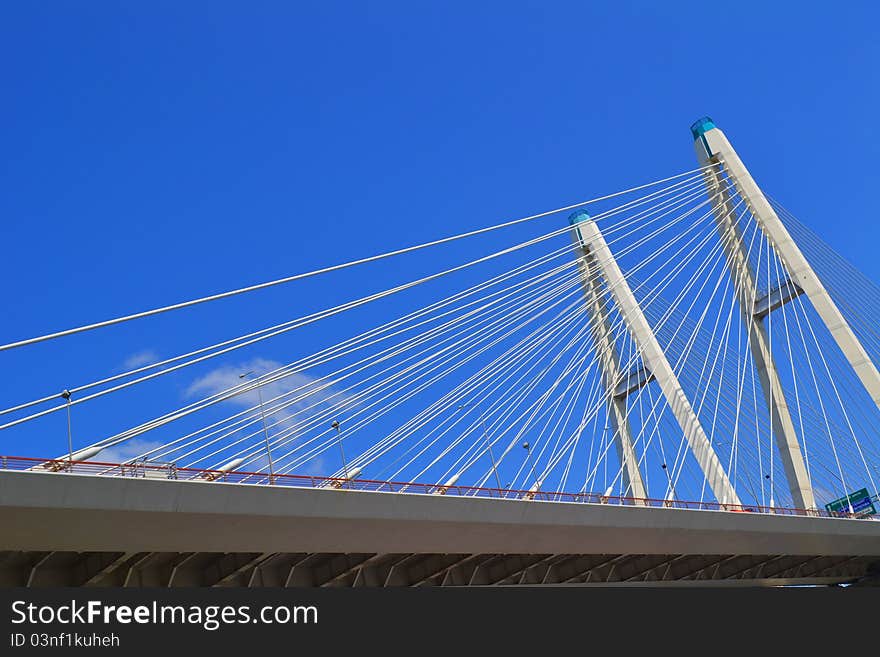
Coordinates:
[153,470]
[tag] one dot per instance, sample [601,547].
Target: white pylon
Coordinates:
[590,237]
[743,277]
[606,350]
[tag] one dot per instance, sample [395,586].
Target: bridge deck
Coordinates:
[68,528]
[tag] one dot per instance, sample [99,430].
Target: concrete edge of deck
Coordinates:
[43,511]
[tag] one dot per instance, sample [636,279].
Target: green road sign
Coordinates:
[860,501]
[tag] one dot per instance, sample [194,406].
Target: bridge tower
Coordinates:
[609,358]
[712,147]
[596,262]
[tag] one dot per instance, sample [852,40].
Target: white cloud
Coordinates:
[140,359]
[127,450]
[314,467]
[318,395]
[313,396]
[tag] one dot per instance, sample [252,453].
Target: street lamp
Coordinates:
[528,449]
[335,425]
[66,396]
[265,428]
[486,438]
[670,487]
[767,476]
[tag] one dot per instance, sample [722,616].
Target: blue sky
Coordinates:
[155,152]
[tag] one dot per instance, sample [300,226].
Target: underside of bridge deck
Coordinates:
[254,569]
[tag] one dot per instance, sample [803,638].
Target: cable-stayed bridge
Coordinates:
[671,383]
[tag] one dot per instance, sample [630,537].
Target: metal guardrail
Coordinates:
[152,470]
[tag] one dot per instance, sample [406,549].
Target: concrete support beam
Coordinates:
[579,569]
[302,573]
[189,570]
[538,572]
[759,342]
[377,572]
[39,568]
[152,569]
[227,570]
[609,359]
[435,575]
[637,378]
[693,568]
[343,571]
[507,570]
[97,568]
[644,568]
[776,298]
[274,570]
[655,359]
[15,567]
[517,572]
[462,573]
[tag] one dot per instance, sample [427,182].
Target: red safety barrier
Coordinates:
[171,471]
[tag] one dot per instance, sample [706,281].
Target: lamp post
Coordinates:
[528,449]
[670,488]
[335,425]
[265,428]
[486,438]
[66,396]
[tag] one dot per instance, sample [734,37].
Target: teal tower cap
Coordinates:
[701,127]
[578,216]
